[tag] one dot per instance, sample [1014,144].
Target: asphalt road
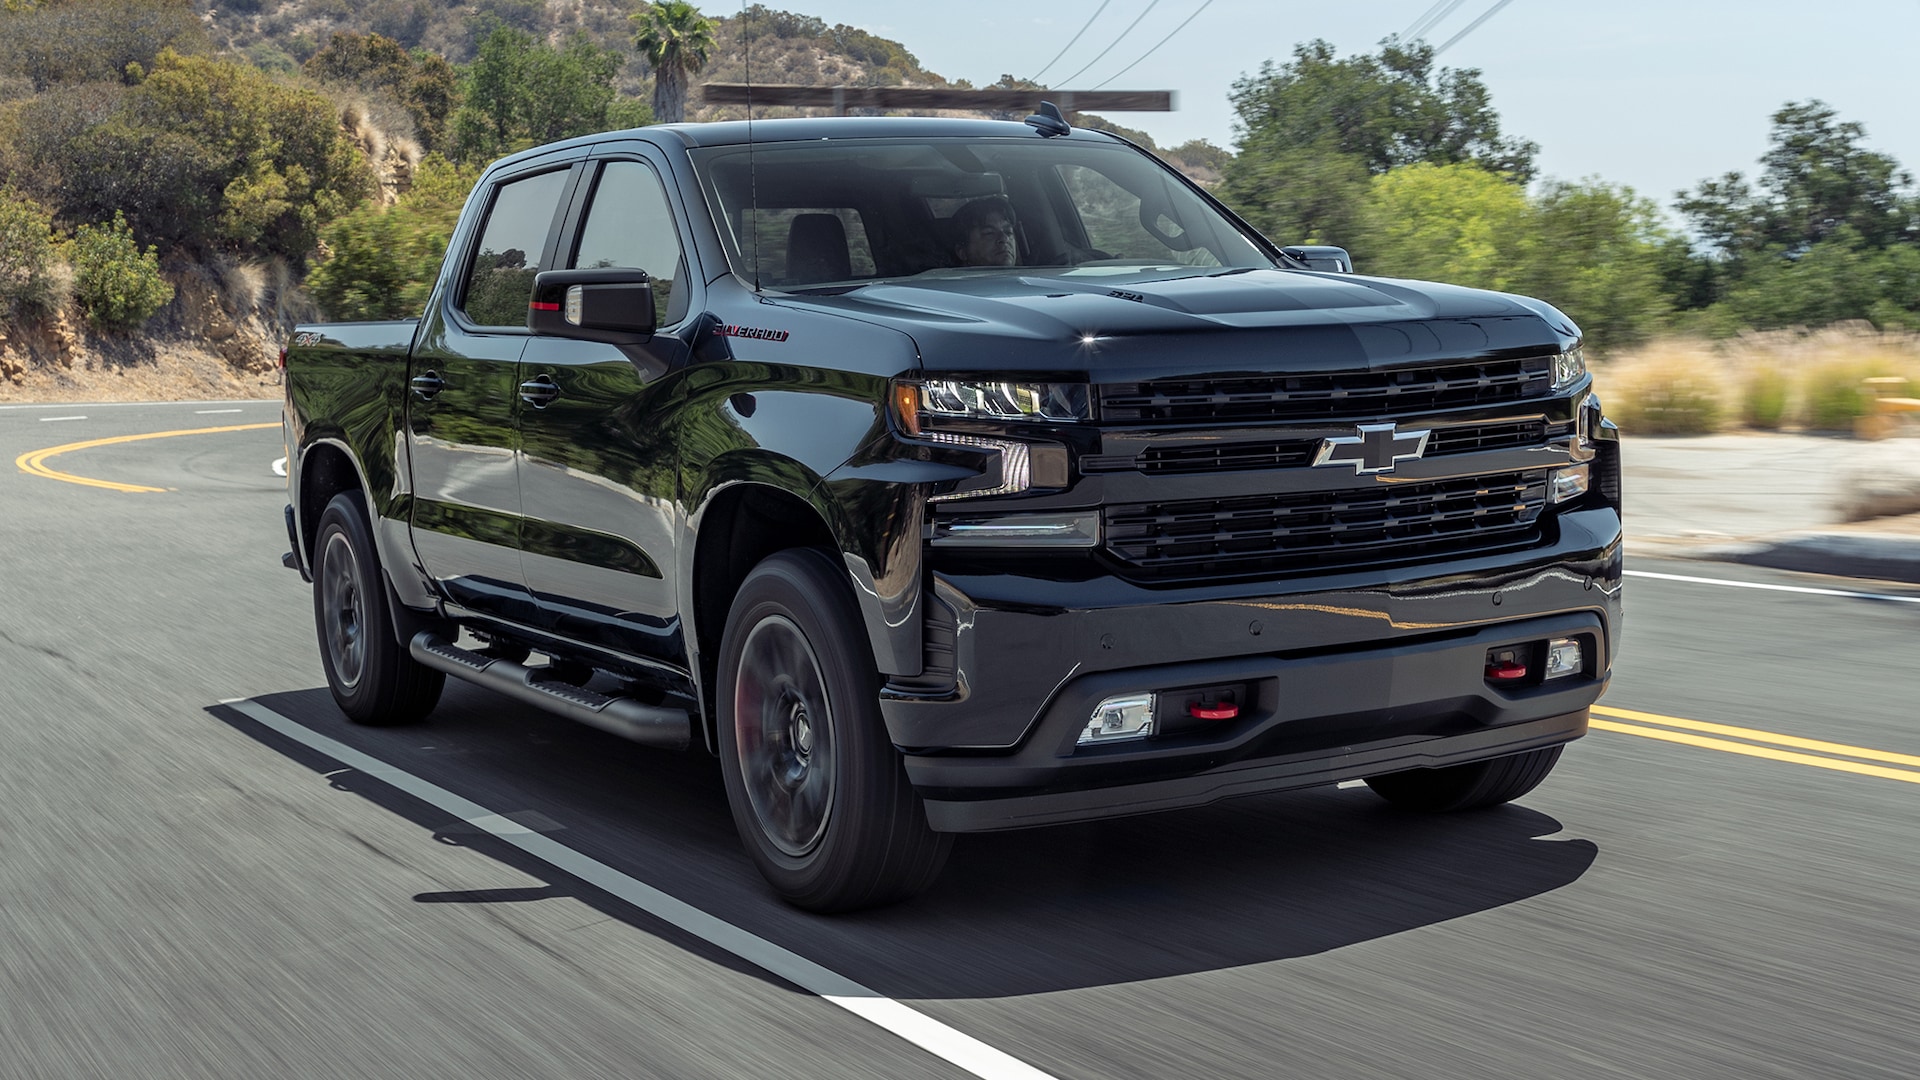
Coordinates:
[187,892]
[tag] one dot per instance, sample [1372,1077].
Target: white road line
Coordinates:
[279,466]
[1773,588]
[209,412]
[916,1027]
[57,419]
[275,402]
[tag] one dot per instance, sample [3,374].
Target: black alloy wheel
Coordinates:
[817,790]
[374,679]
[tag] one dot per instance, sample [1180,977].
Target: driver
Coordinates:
[983,233]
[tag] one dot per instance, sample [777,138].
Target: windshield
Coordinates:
[835,214]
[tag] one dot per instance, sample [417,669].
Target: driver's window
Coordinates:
[631,225]
[1111,216]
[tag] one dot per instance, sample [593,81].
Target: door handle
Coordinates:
[539,392]
[428,384]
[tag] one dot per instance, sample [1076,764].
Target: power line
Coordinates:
[1472,26]
[1035,77]
[1103,52]
[1163,41]
[1434,16]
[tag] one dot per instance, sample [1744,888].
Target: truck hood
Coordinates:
[1130,323]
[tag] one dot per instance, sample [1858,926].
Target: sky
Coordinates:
[1657,96]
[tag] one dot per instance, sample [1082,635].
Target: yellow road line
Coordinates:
[1836,764]
[1776,739]
[33,462]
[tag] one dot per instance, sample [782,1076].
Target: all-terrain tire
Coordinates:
[374,679]
[817,789]
[1464,787]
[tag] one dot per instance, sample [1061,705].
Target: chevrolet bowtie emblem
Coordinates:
[1377,448]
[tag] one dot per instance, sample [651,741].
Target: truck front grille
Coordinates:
[1297,453]
[1328,530]
[1369,395]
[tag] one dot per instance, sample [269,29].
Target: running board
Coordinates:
[626,717]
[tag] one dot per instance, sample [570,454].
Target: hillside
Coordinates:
[233,302]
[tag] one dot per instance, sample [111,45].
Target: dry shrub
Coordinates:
[1677,386]
[1809,380]
[243,281]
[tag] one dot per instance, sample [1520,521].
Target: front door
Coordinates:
[599,478]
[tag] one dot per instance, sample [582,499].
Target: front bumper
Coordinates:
[1343,676]
[1305,721]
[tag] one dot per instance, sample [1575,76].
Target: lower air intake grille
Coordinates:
[1325,530]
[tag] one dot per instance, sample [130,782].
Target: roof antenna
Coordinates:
[753,178]
[1048,121]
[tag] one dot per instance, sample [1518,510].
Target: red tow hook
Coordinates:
[1506,671]
[1225,710]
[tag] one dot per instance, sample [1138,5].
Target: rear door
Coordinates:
[598,471]
[464,395]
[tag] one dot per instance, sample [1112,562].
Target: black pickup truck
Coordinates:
[730,429]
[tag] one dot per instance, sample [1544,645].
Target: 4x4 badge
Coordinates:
[1377,448]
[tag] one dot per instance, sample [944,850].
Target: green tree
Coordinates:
[1828,230]
[520,92]
[628,113]
[677,41]
[1313,129]
[382,260]
[431,96]
[29,255]
[1594,250]
[1454,223]
[118,285]
[205,152]
[373,61]
[1816,179]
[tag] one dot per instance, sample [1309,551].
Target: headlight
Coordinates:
[918,401]
[1568,368]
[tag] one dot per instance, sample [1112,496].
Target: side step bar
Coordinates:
[626,717]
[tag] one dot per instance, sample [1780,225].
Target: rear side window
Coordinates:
[500,280]
[631,225]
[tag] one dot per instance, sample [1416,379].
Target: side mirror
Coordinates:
[1334,260]
[614,306]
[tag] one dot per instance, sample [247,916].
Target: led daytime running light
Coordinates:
[1015,472]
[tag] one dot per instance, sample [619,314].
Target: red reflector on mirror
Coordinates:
[1223,711]
[538,306]
[1506,671]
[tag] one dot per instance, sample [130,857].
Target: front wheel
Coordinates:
[817,790]
[1464,787]
[374,679]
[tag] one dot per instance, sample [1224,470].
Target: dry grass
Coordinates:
[1810,381]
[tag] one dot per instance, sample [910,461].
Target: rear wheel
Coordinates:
[818,792]
[1464,787]
[374,679]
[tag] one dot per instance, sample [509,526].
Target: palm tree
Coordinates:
[677,40]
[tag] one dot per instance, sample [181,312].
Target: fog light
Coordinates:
[1571,483]
[1564,657]
[1120,718]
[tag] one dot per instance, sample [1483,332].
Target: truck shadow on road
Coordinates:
[1244,882]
